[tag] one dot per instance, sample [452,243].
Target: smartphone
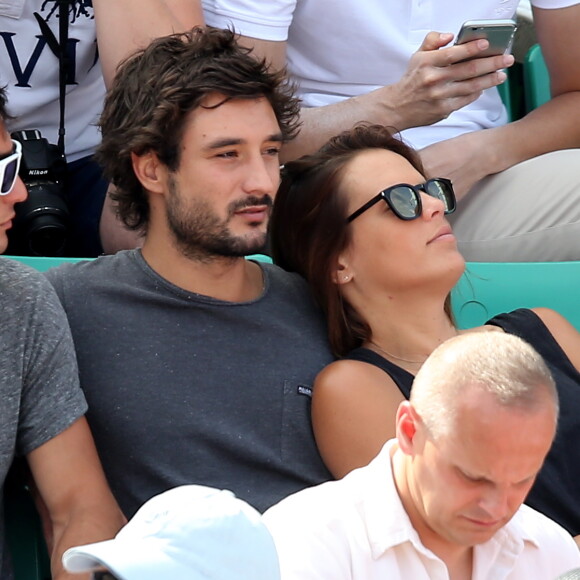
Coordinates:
[499,33]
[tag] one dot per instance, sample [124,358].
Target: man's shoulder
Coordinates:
[545,542]
[535,527]
[85,271]
[316,505]
[289,289]
[321,530]
[21,281]
[320,502]
[284,278]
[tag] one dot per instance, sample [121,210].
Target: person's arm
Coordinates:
[353,414]
[434,85]
[124,26]
[115,235]
[565,334]
[70,480]
[553,126]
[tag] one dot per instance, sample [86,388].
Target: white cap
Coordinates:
[187,533]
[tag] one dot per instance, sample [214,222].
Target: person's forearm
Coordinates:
[319,124]
[114,234]
[79,504]
[551,127]
[123,27]
[88,525]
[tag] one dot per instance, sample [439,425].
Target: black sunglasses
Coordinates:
[405,200]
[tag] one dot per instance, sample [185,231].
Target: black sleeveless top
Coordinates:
[556,492]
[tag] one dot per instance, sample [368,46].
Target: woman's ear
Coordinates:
[342,274]
[150,172]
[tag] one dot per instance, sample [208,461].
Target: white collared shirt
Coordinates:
[357,529]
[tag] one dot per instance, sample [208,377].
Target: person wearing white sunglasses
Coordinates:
[43,407]
[12,189]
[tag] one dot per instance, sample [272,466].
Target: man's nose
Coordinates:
[263,177]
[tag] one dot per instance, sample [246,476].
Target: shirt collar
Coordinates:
[388,524]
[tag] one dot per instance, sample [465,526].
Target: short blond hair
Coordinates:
[503,365]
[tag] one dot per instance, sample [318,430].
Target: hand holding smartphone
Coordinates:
[499,33]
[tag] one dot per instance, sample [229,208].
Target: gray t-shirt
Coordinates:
[38,373]
[184,388]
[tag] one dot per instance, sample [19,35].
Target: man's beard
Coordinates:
[200,235]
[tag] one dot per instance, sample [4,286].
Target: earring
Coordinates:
[346,278]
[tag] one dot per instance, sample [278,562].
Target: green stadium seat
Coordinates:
[536,79]
[486,289]
[42,264]
[527,86]
[23,529]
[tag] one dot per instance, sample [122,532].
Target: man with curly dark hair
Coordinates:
[197,363]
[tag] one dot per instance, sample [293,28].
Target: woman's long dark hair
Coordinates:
[309,228]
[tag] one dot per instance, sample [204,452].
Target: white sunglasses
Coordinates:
[9,167]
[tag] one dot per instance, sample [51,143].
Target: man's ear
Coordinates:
[407,423]
[150,172]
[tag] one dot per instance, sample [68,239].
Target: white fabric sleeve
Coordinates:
[262,19]
[548,4]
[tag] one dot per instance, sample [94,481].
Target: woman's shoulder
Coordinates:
[352,379]
[346,369]
[564,333]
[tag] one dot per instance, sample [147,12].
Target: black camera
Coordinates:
[42,223]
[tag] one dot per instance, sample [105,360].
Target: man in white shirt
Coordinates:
[394,63]
[443,499]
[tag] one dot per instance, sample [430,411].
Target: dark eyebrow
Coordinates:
[277,138]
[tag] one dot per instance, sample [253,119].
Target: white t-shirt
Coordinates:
[357,529]
[343,48]
[30,72]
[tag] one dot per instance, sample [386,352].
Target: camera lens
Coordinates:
[46,237]
[42,222]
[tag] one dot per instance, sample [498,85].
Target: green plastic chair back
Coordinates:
[527,86]
[536,79]
[487,289]
[23,532]
[260,258]
[42,264]
[504,91]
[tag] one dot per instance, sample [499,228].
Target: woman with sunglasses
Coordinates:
[360,221]
[12,189]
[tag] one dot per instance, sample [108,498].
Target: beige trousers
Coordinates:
[527,213]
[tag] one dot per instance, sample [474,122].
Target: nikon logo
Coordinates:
[38,172]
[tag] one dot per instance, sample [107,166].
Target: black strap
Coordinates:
[59,49]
